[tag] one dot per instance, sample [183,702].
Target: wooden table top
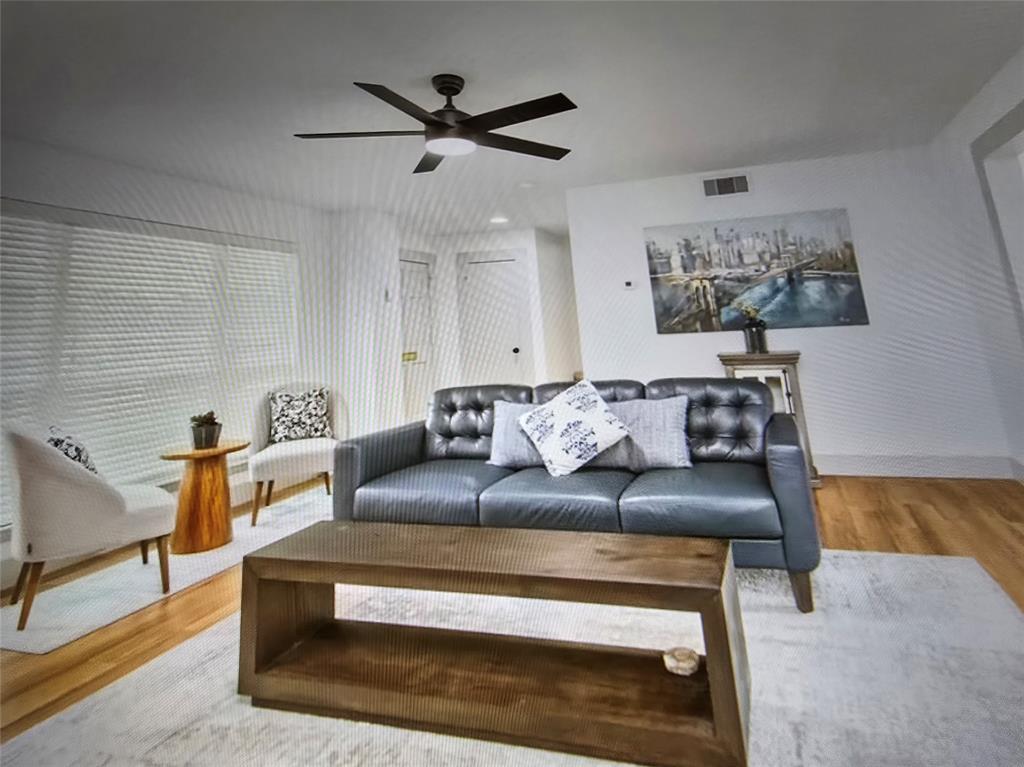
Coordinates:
[607,568]
[189,454]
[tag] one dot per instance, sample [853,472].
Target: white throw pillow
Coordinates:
[572,429]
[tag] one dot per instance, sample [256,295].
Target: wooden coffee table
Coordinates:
[204,498]
[610,702]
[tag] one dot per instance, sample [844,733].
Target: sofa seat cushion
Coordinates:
[443,492]
[720,500]
[585,500]
[295,459]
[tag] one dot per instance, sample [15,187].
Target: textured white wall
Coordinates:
[911,393]
[558,305]
[1006,179]
[998,317]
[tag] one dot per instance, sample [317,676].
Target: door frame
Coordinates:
[410,256]
[519,256]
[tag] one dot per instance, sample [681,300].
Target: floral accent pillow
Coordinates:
[572,429]
[71,447]
[299,415]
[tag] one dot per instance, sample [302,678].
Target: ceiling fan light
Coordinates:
[447,146]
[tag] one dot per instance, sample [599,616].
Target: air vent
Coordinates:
[716,187]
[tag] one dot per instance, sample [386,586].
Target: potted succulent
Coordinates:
[205,430]
[754,330]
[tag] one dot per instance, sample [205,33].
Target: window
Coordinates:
[119,330]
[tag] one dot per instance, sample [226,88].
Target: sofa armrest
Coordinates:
[361,459]
[787,473]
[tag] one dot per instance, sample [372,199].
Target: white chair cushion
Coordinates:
[149,513]
[294,459]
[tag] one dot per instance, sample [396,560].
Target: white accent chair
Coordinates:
[65,510]
[292,461]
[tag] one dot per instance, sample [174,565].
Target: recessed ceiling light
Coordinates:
[499,219]
[526,185]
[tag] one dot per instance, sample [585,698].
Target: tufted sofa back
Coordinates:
[611,391]
[726,422]
[727,416]
[460,420]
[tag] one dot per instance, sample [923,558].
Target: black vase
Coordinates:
[755,338]
[205,436]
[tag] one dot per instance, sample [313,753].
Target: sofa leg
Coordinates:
[257,496]
[801,583]
[144,548]
[270,492]
[327,482]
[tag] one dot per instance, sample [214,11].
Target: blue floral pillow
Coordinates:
[572,429]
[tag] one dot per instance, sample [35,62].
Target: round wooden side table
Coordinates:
[204,499]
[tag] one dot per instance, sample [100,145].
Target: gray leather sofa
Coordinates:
[748,482]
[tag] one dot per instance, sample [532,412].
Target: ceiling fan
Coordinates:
[450,131]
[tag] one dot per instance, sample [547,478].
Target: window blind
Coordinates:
[119,334]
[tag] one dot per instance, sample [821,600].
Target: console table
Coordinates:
[778,371]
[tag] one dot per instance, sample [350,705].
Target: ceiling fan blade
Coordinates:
[362,134]
[519,113]
[399,102]
[428,162]
[522,146]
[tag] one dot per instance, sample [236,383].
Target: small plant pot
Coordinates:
[205,436]
[755,339]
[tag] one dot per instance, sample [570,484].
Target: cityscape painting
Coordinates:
[797,270]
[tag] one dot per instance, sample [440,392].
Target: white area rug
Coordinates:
[65,613]
[907,661]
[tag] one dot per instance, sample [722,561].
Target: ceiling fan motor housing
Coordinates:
[448,85]
[451,130]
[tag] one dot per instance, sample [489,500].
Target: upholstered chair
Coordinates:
[65,510]
[291,461]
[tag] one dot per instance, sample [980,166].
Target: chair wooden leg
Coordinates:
[327,481]
[34,573]
[270,491]
[162,545]
[257,496]
[22,575]
[801,583]
[144,548]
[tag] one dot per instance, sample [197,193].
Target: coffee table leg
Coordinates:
[728,671]
[276,615]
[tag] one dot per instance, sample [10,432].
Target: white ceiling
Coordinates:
[213,91]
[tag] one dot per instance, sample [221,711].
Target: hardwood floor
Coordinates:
[979,518]
[35,687]
[983,519]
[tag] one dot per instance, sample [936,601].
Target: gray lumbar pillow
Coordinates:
[510,447]
[657,437]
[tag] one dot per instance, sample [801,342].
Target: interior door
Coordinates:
[417,333]
[494,318]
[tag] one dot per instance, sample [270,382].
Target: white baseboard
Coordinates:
[952,466]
